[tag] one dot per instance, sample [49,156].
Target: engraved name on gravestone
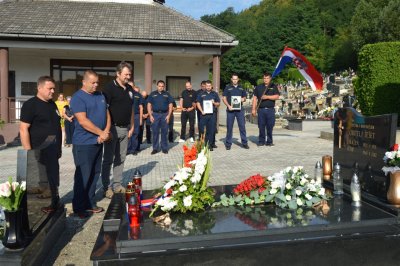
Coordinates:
[364,139]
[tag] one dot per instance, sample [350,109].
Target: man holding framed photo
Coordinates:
[207,103]
[233,97]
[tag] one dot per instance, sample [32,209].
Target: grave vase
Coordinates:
[14,237]
[393,194]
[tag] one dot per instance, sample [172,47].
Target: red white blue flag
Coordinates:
[306,69]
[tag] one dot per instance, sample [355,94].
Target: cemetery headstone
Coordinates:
[364,140]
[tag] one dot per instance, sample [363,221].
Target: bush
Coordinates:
[378,86]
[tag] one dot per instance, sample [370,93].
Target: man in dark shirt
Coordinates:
[40,120]
[145,120]
[159,107]
[133,143]
[234,89]
[202,89]
[187,102]
[208,114]
[264,99]
[119,95]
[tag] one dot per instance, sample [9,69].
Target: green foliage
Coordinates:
[317,28]
[378,86]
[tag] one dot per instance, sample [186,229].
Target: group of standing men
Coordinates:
[104,122]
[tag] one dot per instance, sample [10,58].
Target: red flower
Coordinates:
[395,147]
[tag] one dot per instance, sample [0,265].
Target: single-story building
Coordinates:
[64,38]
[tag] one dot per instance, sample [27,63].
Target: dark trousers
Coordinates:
[207,122]
[199,115]
[171,128]
[160,124]
[69,131]
[87,159]
[49,158]
[147,124]
[230,120]
[185,116]
[133,142]
[266,120]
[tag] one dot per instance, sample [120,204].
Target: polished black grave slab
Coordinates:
[222,231]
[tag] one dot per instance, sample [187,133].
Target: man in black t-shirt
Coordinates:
[264,103]
[187,102]
[40,121]
[119,96]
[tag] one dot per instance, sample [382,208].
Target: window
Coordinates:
[175,85]
[68,73]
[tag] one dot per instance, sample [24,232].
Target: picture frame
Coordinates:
[236,102]
[208,107]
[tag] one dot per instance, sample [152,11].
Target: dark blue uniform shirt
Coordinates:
[231,90]
[204,96]
[271,90]
[160,101]
[137,101]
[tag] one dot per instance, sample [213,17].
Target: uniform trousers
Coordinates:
[160,124]
[207,123]
[266,121]
[230,120]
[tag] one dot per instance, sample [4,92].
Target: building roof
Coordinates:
[100,21]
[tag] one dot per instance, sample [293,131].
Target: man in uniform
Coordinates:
[207,120]
[145,120]
[39,120]
[159,107]
[133,143]
[198,113]
[119,95]
[188,103]
[92,129]
[234,90]
[264,99]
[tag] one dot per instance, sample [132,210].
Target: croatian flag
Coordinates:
[306,69]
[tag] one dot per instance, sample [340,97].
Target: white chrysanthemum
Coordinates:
[195,178]
[298,192]
[288,169]
[273,191]
[288,197]
[303,181]
[306,176]
[166,204]
[295,169]
[288,186]
[321,191]
[308,196]
[299,202]
[183,188]
[389,155]
[312,187]
[189,224]
[187,201]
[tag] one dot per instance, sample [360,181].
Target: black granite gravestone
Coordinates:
[364,140]
[41,230]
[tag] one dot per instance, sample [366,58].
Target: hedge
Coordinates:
[377,87]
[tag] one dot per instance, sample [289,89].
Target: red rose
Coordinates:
[395,147]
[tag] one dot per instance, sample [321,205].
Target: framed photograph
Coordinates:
[208,107]
[236,102]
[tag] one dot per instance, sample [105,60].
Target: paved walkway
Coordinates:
[228,167]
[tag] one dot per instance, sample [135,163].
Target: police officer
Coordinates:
[145,121]
[188,103]
[264,103]
[234,89]
[133,144]
[208,119]
[160,110]
[198,113]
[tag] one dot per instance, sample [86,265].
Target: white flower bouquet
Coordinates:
[11,194]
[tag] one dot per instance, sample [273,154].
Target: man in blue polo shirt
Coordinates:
[159,107]
[234,89]
[208,113]
[92,129]
[264,99]
[133,144]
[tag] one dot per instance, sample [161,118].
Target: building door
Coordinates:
[175,85]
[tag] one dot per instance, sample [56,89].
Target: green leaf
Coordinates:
[247,200]
[292,204]
[269,198]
